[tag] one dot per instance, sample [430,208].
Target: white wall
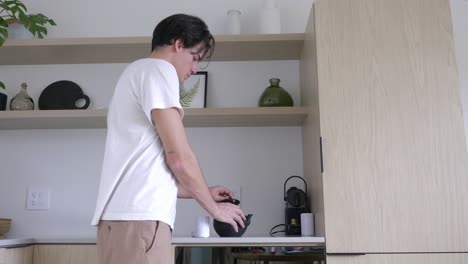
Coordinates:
[68,162]
[460,26]
[88,18]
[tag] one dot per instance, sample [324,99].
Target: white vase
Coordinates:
[269,18]
[234,23]
[18,31]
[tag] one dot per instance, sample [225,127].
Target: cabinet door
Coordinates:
[65,254]
[21,255]
[395,162]
[452,258]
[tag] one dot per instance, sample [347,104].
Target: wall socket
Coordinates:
[38,199]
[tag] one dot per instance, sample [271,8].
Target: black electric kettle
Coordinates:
[225,229]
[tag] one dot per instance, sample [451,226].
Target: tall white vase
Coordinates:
[269,18]
[234,21]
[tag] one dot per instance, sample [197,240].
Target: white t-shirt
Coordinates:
[136,183]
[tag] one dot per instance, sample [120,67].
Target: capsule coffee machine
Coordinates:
[296,202]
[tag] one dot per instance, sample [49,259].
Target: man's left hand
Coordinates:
[220,193]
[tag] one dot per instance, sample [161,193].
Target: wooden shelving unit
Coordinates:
[194,117]
[127,49]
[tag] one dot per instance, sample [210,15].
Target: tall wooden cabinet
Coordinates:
[380,85]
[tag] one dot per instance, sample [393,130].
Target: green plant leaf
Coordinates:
[186,96]
[2,85]
[15,9]
[3,31]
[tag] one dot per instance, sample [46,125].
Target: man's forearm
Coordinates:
[182,192]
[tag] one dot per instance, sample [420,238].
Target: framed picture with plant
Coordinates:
[193,90]
[14,11]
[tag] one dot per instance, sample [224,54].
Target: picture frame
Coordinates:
[193,90]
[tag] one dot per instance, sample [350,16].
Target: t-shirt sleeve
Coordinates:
[160,90]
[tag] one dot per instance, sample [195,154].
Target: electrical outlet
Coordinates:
[37,199]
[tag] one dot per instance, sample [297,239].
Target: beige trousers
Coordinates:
[134,242]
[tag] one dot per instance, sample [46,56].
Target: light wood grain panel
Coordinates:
[311,126]
[21,255]
[452,258]
[65,254]
[127,49]
[395,177]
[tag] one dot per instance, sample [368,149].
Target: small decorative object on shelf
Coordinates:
[16,30]
[3,97]
[63,94]
[22,101]
[193,90]
[234,22]
[269,18]
[275,95]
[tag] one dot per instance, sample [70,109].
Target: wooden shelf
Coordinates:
[127,49]
[194,117]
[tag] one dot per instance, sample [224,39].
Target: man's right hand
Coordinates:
[231,214]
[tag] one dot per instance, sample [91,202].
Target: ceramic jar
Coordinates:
[234,22]
[16,30]
[269,18]
[22,101]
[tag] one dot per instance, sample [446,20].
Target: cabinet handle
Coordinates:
[321,155]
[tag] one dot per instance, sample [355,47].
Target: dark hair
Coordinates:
[191,30]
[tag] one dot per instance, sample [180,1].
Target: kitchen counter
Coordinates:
[247,241]
[184,241]
[15,242]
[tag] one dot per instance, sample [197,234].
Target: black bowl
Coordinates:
[226,230]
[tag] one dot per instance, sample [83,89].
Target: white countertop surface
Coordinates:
[248,241]
[15,242]
[182,241]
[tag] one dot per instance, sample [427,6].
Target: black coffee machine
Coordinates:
[297,202]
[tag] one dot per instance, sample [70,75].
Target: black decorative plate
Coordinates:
[62,95]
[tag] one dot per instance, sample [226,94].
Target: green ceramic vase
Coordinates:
[275,95]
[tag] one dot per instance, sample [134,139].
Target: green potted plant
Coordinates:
[14,11]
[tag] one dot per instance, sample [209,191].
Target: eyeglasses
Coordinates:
[197,58]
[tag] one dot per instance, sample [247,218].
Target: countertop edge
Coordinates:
[16,242]
[179,241]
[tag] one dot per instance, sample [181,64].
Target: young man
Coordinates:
[148,162]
